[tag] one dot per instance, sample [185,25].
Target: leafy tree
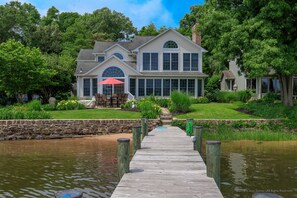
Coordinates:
[18,21]
[62,78]
[21,69]
[66,19]
[48,38]
[51,16]
[149,30]
[259,35]
[102,24]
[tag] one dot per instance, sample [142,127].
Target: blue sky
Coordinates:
[141,12]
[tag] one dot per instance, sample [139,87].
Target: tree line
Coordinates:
[37,54]
[259,34]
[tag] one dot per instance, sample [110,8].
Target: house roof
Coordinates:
[175,74]
[101,46]
[179,34]
[84,67]
[85,54]
[228,74]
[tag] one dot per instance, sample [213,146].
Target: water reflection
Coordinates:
[249,167]
[40,168]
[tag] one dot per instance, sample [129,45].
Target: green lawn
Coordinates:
[95,114]
[216,111]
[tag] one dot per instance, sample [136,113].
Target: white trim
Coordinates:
[112,56]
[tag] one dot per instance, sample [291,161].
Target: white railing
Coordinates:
[294,97]
[130,96]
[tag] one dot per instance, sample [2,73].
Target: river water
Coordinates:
[41,168]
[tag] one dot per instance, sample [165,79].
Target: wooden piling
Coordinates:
[213,161]
[136,131]
[197,130]
[123,156]
[144,128]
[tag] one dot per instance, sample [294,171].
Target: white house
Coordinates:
[147,65]
[235,79]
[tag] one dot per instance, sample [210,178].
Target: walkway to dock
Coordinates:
[167,166]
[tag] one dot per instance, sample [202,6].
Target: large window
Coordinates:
[150,61]
[187,61]
[166,87]
[191,87]
[170,44]
[270,85]
[170,61]
[190,61]
[251,83]
[149,87]
[174,84]
[194,61]
[132,86]
[94,88]
[113,72]
[183,85]
[87,86]
[158,87]
[141,86]
[199,88]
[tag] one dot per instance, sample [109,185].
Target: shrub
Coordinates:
[70,105]
[130,105]
[49,107]
[244,95]
[212,86]
[148,109]
[22,112]
[225,96]
[271,97]
[181,102]
[199,100]
[34,105]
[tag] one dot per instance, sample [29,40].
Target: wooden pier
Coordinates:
[167,166]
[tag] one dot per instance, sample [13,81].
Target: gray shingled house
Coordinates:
[147,65]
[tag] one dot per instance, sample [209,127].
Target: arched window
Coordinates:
[170,44]
[120,56]
[113,72]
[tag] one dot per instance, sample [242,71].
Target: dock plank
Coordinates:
[167,166]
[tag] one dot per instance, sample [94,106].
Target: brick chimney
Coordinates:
[196,36]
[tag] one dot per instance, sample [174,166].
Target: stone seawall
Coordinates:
[54,129]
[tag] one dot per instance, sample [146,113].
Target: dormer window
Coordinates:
[170,44]
[120,56]
[100,59]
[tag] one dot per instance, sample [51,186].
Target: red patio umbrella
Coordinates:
[111,81]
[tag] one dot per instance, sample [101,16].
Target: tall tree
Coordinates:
[259,35]
[48,38]
[149,30]
[18,21]
[62,78]
[21,69]
[102,24]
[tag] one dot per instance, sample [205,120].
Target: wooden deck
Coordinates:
[167,166]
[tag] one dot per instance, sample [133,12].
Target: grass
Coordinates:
[95,114]
[216,111]
[259,135]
